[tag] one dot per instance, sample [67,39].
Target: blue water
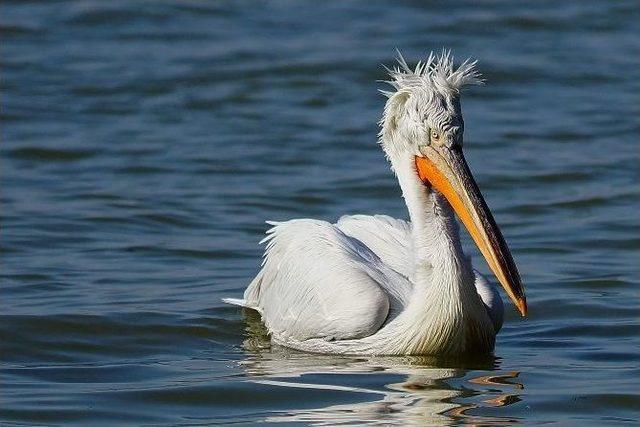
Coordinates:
[144,144]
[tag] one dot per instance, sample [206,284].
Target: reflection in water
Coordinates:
[431,391]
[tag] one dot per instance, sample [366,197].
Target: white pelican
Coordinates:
[375,285]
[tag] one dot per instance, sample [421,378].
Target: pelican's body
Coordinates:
[382,286]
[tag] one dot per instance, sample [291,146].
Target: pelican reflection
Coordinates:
[407,390]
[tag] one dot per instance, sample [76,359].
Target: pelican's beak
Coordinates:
[446,170]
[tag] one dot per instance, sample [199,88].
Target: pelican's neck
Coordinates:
[435,234]
[444,313]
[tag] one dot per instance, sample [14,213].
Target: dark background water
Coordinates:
[144,144]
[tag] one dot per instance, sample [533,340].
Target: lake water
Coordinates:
[144,145]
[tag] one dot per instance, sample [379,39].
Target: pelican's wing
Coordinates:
[387,237]
[491,299]
[318,282]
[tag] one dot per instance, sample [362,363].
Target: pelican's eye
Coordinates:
[434,136]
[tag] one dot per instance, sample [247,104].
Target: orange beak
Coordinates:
[446,170]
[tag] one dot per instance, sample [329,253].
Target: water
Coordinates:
[143,146]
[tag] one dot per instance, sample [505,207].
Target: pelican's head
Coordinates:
[423,119]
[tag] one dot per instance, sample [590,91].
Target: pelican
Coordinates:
[375,285]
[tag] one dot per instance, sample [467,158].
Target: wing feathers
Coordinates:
[387,237]
[318,282]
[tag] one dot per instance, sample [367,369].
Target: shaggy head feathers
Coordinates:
[426,99]
[436,73]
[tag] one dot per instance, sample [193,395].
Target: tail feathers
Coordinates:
[235,301]
[242,303]
[252,293]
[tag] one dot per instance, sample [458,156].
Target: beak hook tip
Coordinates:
[522,307]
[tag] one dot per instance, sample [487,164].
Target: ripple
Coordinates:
[85,338]
[48,154]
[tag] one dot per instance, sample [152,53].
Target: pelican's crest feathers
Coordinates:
[436,73]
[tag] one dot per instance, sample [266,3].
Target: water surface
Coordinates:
[144,144]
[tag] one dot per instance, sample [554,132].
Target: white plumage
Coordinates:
[378,285]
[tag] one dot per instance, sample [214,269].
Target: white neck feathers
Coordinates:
[445,311]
